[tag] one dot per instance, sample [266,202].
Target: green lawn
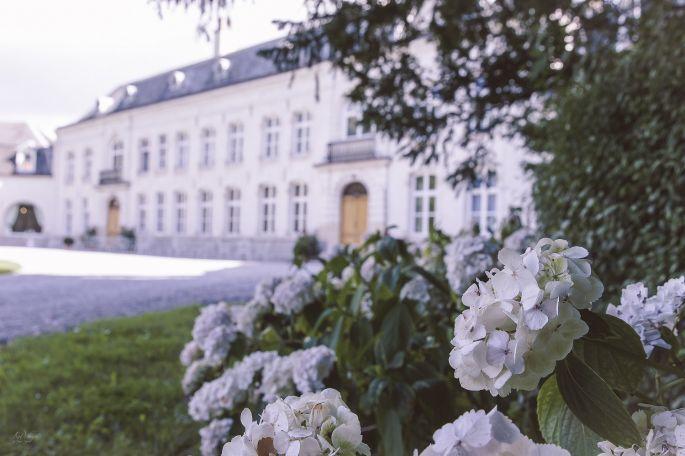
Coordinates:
[7,267]
[111,388]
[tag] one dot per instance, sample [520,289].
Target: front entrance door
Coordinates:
[353,217]
[113,227]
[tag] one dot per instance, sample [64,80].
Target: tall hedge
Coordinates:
[612,171]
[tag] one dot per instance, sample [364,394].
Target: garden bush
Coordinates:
[414,336]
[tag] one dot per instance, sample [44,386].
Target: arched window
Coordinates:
[267,209]
[271,127]
[180,212]
[182,150]
[208,148]
[205,213]
[423,202]
[234,153]
[482,203]
[301,133]
[298,208]
[232,203]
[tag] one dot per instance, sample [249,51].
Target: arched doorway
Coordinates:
[24,218]
[353,213]
[113,227]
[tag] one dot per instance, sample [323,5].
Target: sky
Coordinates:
[58,56]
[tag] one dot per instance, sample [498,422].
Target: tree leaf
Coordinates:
[560,426]
[396,329]
[594,403]
[613,350]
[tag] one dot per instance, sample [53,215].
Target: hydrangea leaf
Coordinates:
[560,426]
[594,403]
[390,427]
[613,350]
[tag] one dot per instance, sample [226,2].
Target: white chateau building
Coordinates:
[231,158]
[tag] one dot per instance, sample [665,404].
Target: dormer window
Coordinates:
[176,80]
[105,104]
[25,160]
[131,91]
[221,69]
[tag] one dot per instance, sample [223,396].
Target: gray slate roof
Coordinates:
[245,65]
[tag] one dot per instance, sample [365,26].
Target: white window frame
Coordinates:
[159,212]
[180,213]
[85,213]
[70,170]
[301,133]
[483,190]
[423,203]
[87,165]
[298,207]
[182,151]
[205,212]
[207,147]
[267,209]
[141,220]
[143,156]
[232,207]
[235,143]
[117,155]
[162,152]
[271,137]
[68,217]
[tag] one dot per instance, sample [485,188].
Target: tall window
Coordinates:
[208,148]
[267,209]
[70,169]
[68,217]
[142,213]
[271,137]
[232,211]
[298,208]
[423,203]
[205,212]
[159,212]
[234,154]
[182,150]
[482,203]
[87,165]
[117,155]
[301,132]
[143,156]
[85,210]
[353,124]
[161,152]
[180,212]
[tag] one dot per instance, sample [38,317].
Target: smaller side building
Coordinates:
[27,189]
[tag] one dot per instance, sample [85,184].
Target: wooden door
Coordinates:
[353,218]
[113,227]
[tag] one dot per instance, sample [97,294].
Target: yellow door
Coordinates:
[353,222]
[113,218]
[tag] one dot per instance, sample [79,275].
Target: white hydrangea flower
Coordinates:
[293,293]
[211,316]
[665,438]
[523,319]
[477,433]
[417,289]
[218,343]
[313,424]
[647,315]
[245,316]
[369,269]
[265,290]
[465,257]
[191,352]
[195,375]
[214,436]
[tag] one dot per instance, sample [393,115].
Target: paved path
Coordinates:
[58,289]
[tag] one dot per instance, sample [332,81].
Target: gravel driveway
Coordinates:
[58,289]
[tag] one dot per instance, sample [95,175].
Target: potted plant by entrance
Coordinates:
[68,242]
[129,236]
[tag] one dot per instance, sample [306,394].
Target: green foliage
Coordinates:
[110,387]
[307,248]
[560,426]
[611,176]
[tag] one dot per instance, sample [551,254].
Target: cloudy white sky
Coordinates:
[57,56]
